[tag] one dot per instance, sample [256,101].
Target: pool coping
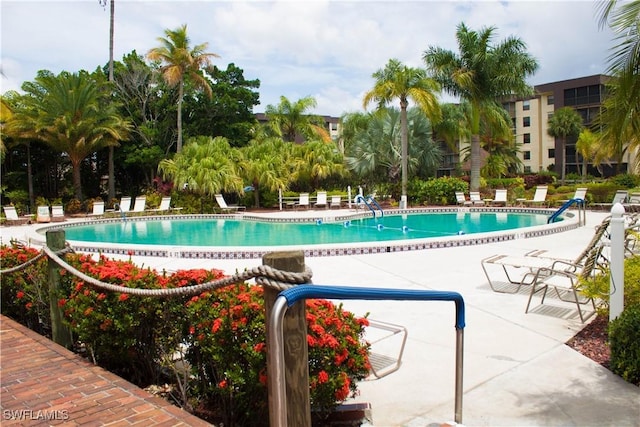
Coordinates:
[569,222]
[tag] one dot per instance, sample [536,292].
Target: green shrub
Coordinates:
[599,286]
[624,340]
[626,180]
[438,191]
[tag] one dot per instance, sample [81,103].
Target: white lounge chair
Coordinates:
[57,213]
[321,199]
[619,197]
[539,197]
[336,202]
[12,218]
[165,205]
[462,200]
[43,214]
[97,209]
[125,204]
[500,198]
[226,207]
[474,197]
[140,205]
[303,201]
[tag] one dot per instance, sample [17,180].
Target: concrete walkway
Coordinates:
[517,369]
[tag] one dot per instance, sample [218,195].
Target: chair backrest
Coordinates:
[501,195]
[98,208]
[125,204]
[221,202]
[57,210]
[164,204]
[141,202]
[43,214]
[601,229]
[540,194]
[336,200]
[11,213]
[303,199]
[620,197]
[460,197]
[580,193]
[322,198]
[474,196]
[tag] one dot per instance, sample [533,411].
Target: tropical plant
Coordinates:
[397,81]
[72,113]
[206,166]
[565,122]
[180,61]
[619,120]
[267,163]
[318,160]
[587,147]
[291,120]
[482,74]
[375,154]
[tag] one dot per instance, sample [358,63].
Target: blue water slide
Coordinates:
[564,207]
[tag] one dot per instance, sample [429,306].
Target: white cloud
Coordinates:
[326,49]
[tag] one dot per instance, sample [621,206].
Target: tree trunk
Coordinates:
[564,160]
[77,179]
[474,184]
[180,95]
[404,139]
[32,200]
[112,185]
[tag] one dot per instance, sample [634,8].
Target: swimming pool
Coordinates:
[227,237]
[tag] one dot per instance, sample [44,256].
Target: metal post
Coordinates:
[616,287]
[280,197]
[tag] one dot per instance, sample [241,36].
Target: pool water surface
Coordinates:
[225,232]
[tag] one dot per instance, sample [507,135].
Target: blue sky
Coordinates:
[324,49]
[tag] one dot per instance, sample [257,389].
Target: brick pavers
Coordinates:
[44,384]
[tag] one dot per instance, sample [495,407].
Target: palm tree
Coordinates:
[398,81]
[266,164]
[206,165]
[70,113]
[180,61]
[375,154]
[586,146]
[290,120]
[111,193]
[565,122]
[320,160]
[481,74]
[619,120]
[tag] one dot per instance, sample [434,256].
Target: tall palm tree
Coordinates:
[111,192]
[292,119]
[70,113]
[397,81]
[564,123]
[619,121]
[587,147]
[179,61]
[481,73]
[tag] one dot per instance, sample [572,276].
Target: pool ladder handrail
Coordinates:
[369,200]
[580,203]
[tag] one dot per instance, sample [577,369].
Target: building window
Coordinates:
[552,153]
[526,105]
[526,138]
[550,100]
[527,169]
[526,121]
[526,155]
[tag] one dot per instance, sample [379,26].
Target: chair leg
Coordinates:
[533,291]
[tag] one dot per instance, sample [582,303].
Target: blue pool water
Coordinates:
[231,232]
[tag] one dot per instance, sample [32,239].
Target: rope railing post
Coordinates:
[59,332]
[294,326]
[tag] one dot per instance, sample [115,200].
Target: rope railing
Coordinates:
[264,275]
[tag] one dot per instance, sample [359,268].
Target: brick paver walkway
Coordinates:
[44,384]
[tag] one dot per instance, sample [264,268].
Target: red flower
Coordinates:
[20,295]
[223,384]
[323,377]
[123,297]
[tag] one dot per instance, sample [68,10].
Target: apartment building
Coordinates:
[530,120]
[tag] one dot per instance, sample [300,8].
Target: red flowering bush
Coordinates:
[228,353]
[25,293]
[223,330]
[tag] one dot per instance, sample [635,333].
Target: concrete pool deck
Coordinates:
[517,369]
